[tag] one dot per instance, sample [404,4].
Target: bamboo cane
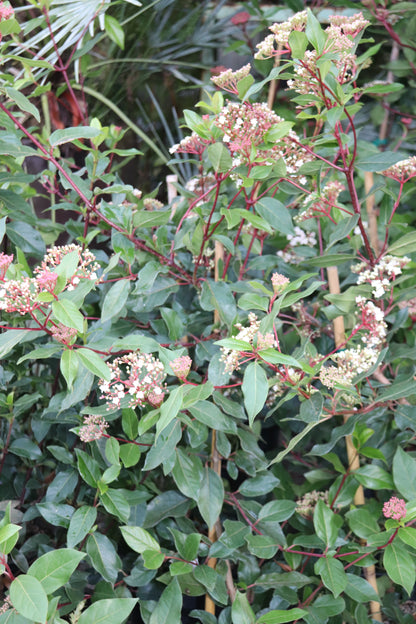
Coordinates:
[353,458]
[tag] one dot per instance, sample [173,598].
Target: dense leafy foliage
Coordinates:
[208,403]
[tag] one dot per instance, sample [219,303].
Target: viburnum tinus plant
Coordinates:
[208,406]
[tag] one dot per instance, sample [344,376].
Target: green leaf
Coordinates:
[404,474]
[277,511]
[341,231]
[211,497]
[275,213]
[130,454]
[241,612]
[93,362]
[152,559]
[103,556]
[188,473]
[408,536]
[29,598]
[139,539]
[69,366]
[80,525]
[70,134]
[234,344]
[378,161]
[169,504]
[115,300]
[219,157]
[9,534]
[262,546]
[281,617]
[115,503]
[57,514]
[398,390]
[400,565]
[108,611]
[210,415]
[362,523]
[169,606]
[54,568]
[88,468]
[332,574]
[10,339]
[327,260]
[326,523]
[406,244]
[129,423]
[169,410]
[206,576]
[294,441]
[22,102]
[311,409]
[273,356]
[114,30]
[67,313]
[314,32]
[255,390]
[218,296]
[360,590]
[374,477]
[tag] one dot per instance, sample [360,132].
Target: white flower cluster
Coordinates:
[280,36]
[228,79]
[403,170]
[139,376]
[300,237]
[231,357]
[380,276]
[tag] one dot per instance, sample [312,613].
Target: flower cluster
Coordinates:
[320,205]
[331,376]
[192,144]
[380,276]
[21,295]
[306,505]
[94,428]
[403,170]
[181,366]
[339,43]
[228,79]
[139,376]
[63,334]
[87,266]
[251,335]
[245,127]
[279,283]
[395,508]
[280,36]
[300,237]
[7,603]
[6,12]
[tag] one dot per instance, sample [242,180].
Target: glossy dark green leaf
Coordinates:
[80,525]
[108,611]
[332,574]
[54,568]
[211,497]
[255,390]
[169,606]
[103,556]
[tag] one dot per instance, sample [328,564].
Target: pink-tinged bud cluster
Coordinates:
[279,283]
[245,127]
[63,334]
[402,171]
[181,366]
[6,12]
[395,508]
[5,262]
[331,376]
[7,604]
[273,44]
[87,266]
[22,295]
[320,205]
[138,376]
[193,144]
[94,428]
[229,79]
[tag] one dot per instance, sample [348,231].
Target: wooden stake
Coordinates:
[353,458]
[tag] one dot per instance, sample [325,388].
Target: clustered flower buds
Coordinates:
[94,428]
[320,205]
[339,43]
[181,366]
[192,144]
[300,237]
[279,283]
[395,508]
[306,505]
[63,334]
[245,127]
[138,376]
[228,79]
[6,12]
[21,295]
[402,171]
[249,334]
[380,276]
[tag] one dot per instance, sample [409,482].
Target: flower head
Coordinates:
[395,508]
[279,283]
[181,366]
[93,428]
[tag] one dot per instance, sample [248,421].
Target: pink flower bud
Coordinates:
[395,508]
[181,366]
